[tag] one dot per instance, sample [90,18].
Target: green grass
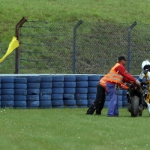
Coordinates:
[118,11]
[71,129]
[71,11]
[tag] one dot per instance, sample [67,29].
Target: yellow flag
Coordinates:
[12,46]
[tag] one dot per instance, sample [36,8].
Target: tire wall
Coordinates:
[52,91]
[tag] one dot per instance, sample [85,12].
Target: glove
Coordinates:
[138,82]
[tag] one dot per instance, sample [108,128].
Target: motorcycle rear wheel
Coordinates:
[135,106]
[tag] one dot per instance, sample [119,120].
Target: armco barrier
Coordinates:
[51,91]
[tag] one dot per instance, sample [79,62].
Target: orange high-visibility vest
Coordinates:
[103,82]
[115,77]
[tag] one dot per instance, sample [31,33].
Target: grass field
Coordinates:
[71,129]
[118,11]
[69,11]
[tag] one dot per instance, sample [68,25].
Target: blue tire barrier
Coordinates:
[7,91]
[93,83]
[0,100]
[0,85]
[58,84]
[45,91]
[91,96]
[125,92]
[92,89]
[119,97]
[20,104]
[124,98]
[58,90]
[69,84]
[70,90]
[82,84]
[45,97]
[57,97]
[70,102]
[33,91]
[20,98]
[81,77]
[33,104]
[94,78]
[57,103]
[45,85]
[34,79]
[124,104]
[7,97]
[7,80]
[58,78]
[119,104]
[70,78]
[46,78]
[58,106]
[68,96]
[7,85]
[82,103]
[119,92]
[33,85]
[107,98]
[8,103]
[81,90]
[32,97]
[71,106]
[20,80]
[106,104]
[20,91]
[81,96]
[45,104]
[20,86]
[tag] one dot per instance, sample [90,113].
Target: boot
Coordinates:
[91,110]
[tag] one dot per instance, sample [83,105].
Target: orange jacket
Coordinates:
[115,77]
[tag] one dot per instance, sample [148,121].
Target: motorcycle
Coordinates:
[136,96]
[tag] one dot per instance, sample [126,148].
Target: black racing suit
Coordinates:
[98,104]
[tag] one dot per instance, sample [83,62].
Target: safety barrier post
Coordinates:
[129,45]
[18,26]
[74,44]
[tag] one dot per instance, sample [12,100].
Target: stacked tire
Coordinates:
[69,91]
[33,91]
[81,91]
[93,81]
[120,92]
[57,91]
[124,99]
[45,92]
[7,92]
[20,92]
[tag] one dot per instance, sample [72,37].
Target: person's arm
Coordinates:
[122,71]
[127,80]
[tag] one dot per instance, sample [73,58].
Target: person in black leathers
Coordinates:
[98,104]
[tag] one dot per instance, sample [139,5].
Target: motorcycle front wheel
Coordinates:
[134,106]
